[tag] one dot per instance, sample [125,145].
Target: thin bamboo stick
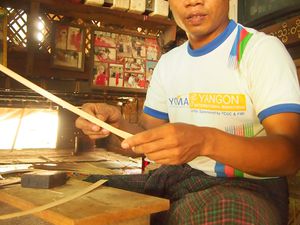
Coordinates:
[63,103]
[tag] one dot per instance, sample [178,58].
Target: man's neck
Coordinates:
[199,41]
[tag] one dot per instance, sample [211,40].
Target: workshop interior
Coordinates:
[72,52]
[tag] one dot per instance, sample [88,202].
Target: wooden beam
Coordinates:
[20,4]
[4,37]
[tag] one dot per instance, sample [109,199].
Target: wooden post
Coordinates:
[4,36]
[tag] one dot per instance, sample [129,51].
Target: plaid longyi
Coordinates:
[199,199]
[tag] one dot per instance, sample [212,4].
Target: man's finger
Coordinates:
[153,146]
[142,138]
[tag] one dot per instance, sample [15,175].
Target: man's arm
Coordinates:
[112,115]
[277,154]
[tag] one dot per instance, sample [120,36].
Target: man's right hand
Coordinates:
[107,113]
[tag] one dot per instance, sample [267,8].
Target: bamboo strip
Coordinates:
[63,103]
[55,203]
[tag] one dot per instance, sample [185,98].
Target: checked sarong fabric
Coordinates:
[197,198]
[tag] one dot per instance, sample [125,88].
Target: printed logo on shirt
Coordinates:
[211,101]
[217,102]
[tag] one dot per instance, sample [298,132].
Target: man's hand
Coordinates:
[171,144]
[102,111]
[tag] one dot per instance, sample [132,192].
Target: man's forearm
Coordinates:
[274,155]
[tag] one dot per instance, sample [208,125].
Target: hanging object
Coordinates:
[94,2]
[137,6]
[159,8]
[108,2]
[149,6]
[120,5]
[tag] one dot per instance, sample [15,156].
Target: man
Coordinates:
[222,116]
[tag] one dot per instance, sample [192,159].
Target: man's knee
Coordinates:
[223,205]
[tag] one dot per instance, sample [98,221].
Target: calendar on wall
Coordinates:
[122,60]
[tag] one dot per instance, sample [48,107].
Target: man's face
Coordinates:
[199,18]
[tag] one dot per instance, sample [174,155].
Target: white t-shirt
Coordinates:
[232,84]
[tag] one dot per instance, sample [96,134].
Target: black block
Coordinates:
[43,179]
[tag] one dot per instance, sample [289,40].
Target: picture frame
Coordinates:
[257,12]
[116,74]
[3,36]
[119,60]
[68,47]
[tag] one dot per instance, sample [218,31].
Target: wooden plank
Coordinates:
[105,205]
[20,4]
[4,38]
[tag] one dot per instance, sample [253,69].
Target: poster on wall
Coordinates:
[122,61]
[68,43]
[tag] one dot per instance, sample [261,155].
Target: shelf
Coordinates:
[108,17]
[37,61]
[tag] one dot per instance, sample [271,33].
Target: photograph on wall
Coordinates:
[116,72]
[68,47]
[138,47]
[124,47]
[100,74]
[67,59]
[61,35]
[141,80]
[152,49]
[134,65]
[105,39]
[150,65]
[134,80]
[104,54]
[75,39]
[130,80]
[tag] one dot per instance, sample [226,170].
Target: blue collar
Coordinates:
[214,43]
